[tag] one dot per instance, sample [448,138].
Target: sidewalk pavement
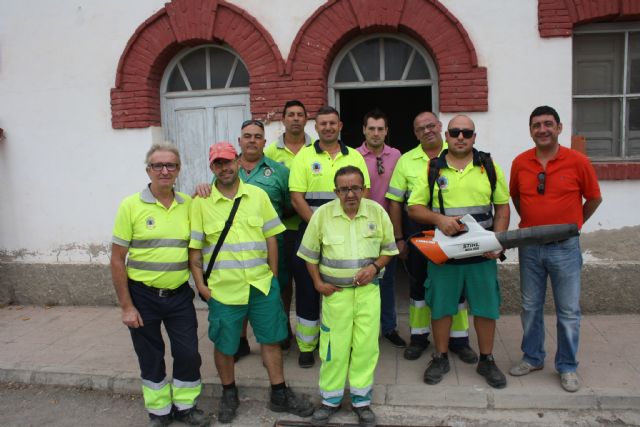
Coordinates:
[90,347]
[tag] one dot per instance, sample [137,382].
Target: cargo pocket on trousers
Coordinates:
[325,343]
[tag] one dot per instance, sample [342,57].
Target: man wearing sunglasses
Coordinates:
[381,159]
[463,187]
[411,167]
[551,184]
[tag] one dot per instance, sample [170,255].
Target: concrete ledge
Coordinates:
[391,395]
[608,288]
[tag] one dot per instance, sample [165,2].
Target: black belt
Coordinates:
[161,292]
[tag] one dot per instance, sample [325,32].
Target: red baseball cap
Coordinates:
[222,150]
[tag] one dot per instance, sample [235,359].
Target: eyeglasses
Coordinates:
[542,177]
[252,122]
[379,165]
[345,190]
[466,133]
[171,167]
[430,126]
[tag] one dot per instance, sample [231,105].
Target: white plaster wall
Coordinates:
[64,169]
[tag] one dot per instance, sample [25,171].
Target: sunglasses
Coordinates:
[455,132]
[379,165]
[252,122]
[542,177]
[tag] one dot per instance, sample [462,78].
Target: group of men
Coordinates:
[331,219]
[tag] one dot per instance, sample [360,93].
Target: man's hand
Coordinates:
[449,225]
[326,289]
[202,190]
[492,255]
[204,292]
[131,318]
[365,275]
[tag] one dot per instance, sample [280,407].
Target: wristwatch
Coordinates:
[376,266]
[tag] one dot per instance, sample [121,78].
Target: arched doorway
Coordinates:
[204,99]
[387,71]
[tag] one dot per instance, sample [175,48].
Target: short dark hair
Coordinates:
[293,103]
[544,110]
[347,170]
[327,110]
[375,114]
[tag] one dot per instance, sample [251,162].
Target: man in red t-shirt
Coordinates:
[551,184]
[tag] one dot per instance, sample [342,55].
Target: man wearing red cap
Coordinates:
[243,281]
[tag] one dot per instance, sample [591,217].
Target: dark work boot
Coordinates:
[417,346]
[436,369]
[285,400]
[192,416]
[159,420]
[229,403]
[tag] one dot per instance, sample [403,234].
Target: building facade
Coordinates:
[86,87]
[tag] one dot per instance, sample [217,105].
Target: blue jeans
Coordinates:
[561,262]
[388,298]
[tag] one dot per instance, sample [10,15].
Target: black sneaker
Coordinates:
[322,415]
[465,353]
[306,359]
[436,369]
[243,349]
[285,400]
[159,420]
[415,349]
[395,339]
[229,403]
[192,416]
[490,371]
[366,417]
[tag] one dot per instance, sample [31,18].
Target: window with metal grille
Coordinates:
[208,68]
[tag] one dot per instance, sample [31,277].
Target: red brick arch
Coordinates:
[135,99]
[556,18]
[463,84]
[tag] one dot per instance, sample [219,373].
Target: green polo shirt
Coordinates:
[273,178]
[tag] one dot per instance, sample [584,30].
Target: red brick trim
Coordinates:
[556,18]
[463,84]
[617,171]
[135,99]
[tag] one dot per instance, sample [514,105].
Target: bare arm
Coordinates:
[325,289]
[500,223]
[447,224]
[590,207]
[272,254]
[516,203]
[130,315]
[195,265]
[395,214]
[301,206]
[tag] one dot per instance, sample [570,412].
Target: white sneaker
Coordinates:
[523,368]
[570,381]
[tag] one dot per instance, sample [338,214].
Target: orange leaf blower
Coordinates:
[473,240]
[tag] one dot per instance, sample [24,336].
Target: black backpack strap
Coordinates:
[484,160]
[435,165]
[223,235]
